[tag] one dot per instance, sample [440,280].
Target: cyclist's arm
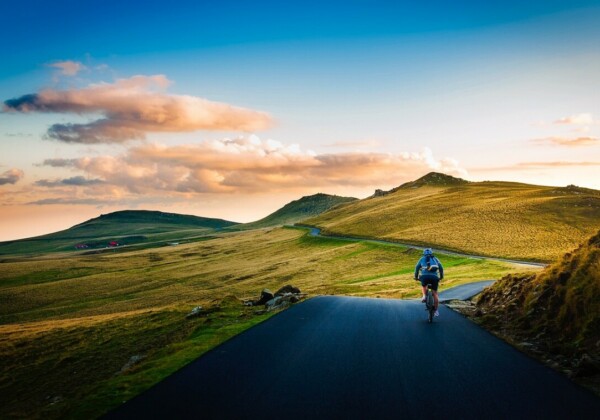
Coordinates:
[441,270]
[417,268]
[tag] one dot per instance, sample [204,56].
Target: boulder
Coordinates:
[287,289]
[265,296]
[197,311]
[273,302]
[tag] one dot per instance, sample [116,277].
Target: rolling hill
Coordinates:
[117,229]
[503,219]
[298,210]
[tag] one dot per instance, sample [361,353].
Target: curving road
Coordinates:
[357,358]
[317,232]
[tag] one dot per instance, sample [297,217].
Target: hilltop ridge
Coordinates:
[432,179]
[152,216]
[436,179]
[499,219]
[298,210]
[119,228]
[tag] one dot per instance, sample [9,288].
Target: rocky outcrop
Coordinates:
[283,298]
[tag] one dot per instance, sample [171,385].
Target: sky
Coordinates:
[231,109]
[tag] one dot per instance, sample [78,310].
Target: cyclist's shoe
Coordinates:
[436,313]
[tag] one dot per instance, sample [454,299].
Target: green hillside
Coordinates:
[502,219]
[123,227]
[299,210]
[70,323]
[557,310]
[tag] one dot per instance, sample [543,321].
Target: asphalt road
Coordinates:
[357,358]
[464,291]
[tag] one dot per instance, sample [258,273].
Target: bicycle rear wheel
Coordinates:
[430,305]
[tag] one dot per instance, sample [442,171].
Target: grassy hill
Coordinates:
[299,210]
[503,219]
[123,227]
[556,311]
[70,323]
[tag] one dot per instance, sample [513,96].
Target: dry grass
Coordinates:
[68,325]
[488,218]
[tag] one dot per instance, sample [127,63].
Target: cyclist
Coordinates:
[430,271]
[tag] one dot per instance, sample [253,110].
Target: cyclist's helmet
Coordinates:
[427,252]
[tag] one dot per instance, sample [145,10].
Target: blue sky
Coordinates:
[483,90]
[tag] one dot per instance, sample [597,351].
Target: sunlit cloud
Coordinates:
[133,107]
[579,119]
[537,165]
[554,164]
[12,176]
[68,67]
[569,142]
[249,165]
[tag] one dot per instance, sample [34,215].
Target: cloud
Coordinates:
[553,164]
[74,181]
[582,119]
[12,176]
[569,142]
[250,165]
[538,165]
[59,163]
[68,67]
[133,107]
[70,201]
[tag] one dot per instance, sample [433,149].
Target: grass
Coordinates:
[68,325]
[499,219]
[556,311]
[297,211]
[130,228]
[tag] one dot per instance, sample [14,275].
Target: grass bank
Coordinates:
[71,327]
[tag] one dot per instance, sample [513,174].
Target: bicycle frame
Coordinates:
[430,303]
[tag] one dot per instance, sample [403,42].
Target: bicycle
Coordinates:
[430,303]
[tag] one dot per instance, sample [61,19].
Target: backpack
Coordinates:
[431,264]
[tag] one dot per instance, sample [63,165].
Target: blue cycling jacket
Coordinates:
[422,267]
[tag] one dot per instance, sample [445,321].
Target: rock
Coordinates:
[197,311]
[287,289]
[133,360]
[265,296]
[380,193]
[273,302]
[280,305]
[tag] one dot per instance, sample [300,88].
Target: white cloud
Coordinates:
[68,67]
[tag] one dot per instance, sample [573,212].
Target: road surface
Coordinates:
[358,358]
[464,291]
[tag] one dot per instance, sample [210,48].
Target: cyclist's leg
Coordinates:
[423,287]
[434,287]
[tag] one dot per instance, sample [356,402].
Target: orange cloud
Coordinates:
[562,141]
[12,176]
[248,165]
[132,108]
[583,119]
